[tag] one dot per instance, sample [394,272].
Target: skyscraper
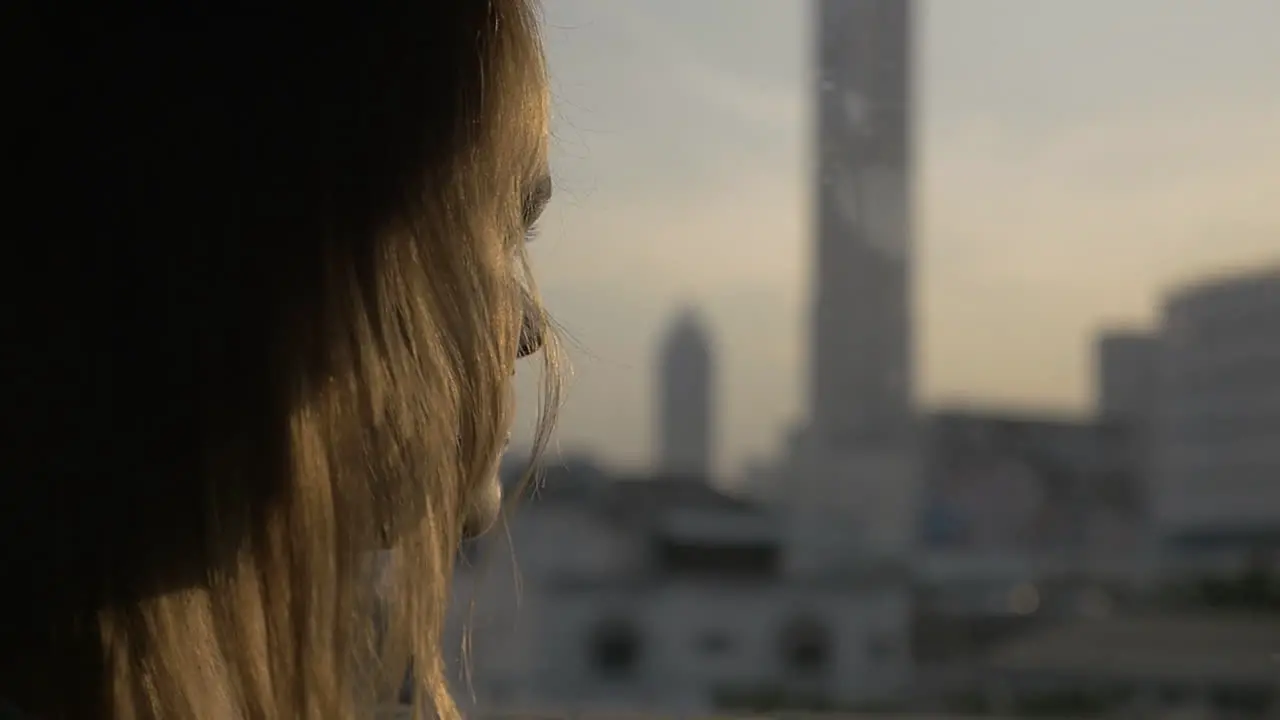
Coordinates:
[685,416]
[860,391]
[852,479]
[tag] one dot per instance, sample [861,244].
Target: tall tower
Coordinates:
[853,475]
[860,392]
[685,414]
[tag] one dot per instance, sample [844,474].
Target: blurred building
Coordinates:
[1025,520]
[663,594]
[849,480]
[1126,372]
[685,429]
[1125,376]
[1216,489]
[860,390]
[1059,494]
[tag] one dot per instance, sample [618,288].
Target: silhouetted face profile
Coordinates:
[486,504]
[273,294]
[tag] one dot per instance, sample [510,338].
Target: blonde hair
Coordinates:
[300,241]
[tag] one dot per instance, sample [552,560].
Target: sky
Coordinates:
[1076,161]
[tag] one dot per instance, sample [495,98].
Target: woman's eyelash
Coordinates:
[531,232]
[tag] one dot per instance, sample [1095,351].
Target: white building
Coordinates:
[685,415]
[1216,490]
[665,595]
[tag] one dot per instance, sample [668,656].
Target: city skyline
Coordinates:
[1062,191]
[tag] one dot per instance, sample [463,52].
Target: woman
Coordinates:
[270,294]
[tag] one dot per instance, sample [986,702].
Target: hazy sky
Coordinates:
[1077,158]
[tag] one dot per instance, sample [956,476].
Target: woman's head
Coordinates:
[273,293]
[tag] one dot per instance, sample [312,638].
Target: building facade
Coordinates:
[1053,492]
[665,595]
[1216,488]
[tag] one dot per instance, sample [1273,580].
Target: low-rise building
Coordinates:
[664,594]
